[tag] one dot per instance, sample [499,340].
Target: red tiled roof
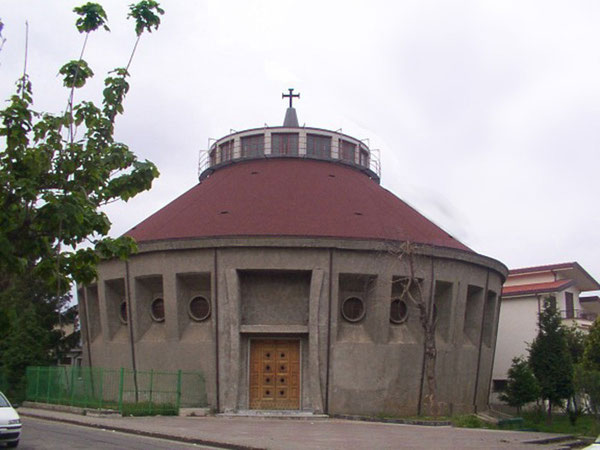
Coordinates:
[536,288]
[548,267]
[291,197]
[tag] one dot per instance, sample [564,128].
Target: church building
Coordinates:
[278,277]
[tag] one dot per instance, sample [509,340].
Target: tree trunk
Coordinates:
[430,359]
[549,417]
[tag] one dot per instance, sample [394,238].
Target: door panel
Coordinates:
[275,374]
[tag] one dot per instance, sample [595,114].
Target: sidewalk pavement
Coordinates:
[291,434]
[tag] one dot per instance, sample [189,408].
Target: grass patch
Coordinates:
[149,409]
[533,421]
[470,421]
[586,425]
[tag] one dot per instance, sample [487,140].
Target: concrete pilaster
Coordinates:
[316,393]
[231,362]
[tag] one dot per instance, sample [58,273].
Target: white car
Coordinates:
[10,424]
[595,445]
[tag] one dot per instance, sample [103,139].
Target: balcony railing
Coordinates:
[580,314]
[372,164]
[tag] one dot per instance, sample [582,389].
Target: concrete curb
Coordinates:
[427,423]
[153,434]
[90,412]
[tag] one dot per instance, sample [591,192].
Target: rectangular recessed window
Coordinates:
[569,306]
[93,306]
[364,158]
[117,310]
[226,151]
[443,307]
[472,320]
[284,144]
[318,146]
[499,385]
[253,146]
[488,318]
[347,151]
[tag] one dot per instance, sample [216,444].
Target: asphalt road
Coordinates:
[43,434]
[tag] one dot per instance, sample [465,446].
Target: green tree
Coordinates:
[522,386]
[586,378]
[586,382]
[550,360]
[591,352]
[576,343]
[56,173]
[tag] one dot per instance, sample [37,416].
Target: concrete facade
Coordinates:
[288,245]
[293,288]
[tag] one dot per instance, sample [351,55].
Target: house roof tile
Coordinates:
[536,288]
[291,197]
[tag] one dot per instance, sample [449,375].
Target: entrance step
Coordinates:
[274,414]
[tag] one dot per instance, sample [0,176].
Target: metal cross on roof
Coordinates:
[291,96]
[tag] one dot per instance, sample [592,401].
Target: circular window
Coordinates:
[398,311]
[199,308]
[353,309]
[123,312]
[157,309]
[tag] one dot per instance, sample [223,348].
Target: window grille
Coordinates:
[253,145]
[347,151]
[284,144]
[318,146]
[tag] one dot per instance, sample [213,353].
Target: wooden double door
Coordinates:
[274,374]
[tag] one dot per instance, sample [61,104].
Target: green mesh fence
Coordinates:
[126,391]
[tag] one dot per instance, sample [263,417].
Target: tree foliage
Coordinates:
[57,170]
[586,378]
[28,332]
[586,382]
[550,359]
[576,340]
[591,353]
[146,15]
[522,386]
[91,17]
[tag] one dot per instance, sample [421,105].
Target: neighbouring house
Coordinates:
[523,295]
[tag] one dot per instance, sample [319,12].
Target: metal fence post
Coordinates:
[48,387]
[86,381]
[101,387]
[72,386]
[121,390]
[37,385]
[178,390]
[151,382]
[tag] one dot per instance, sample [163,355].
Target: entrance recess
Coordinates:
[274,374]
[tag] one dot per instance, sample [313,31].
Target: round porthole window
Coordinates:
[199,308]
[157,309]
[353,309]
[123,312]
[398,311]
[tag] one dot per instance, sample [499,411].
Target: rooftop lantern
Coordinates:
[290,141]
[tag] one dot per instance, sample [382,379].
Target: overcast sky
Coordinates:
[486,114]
